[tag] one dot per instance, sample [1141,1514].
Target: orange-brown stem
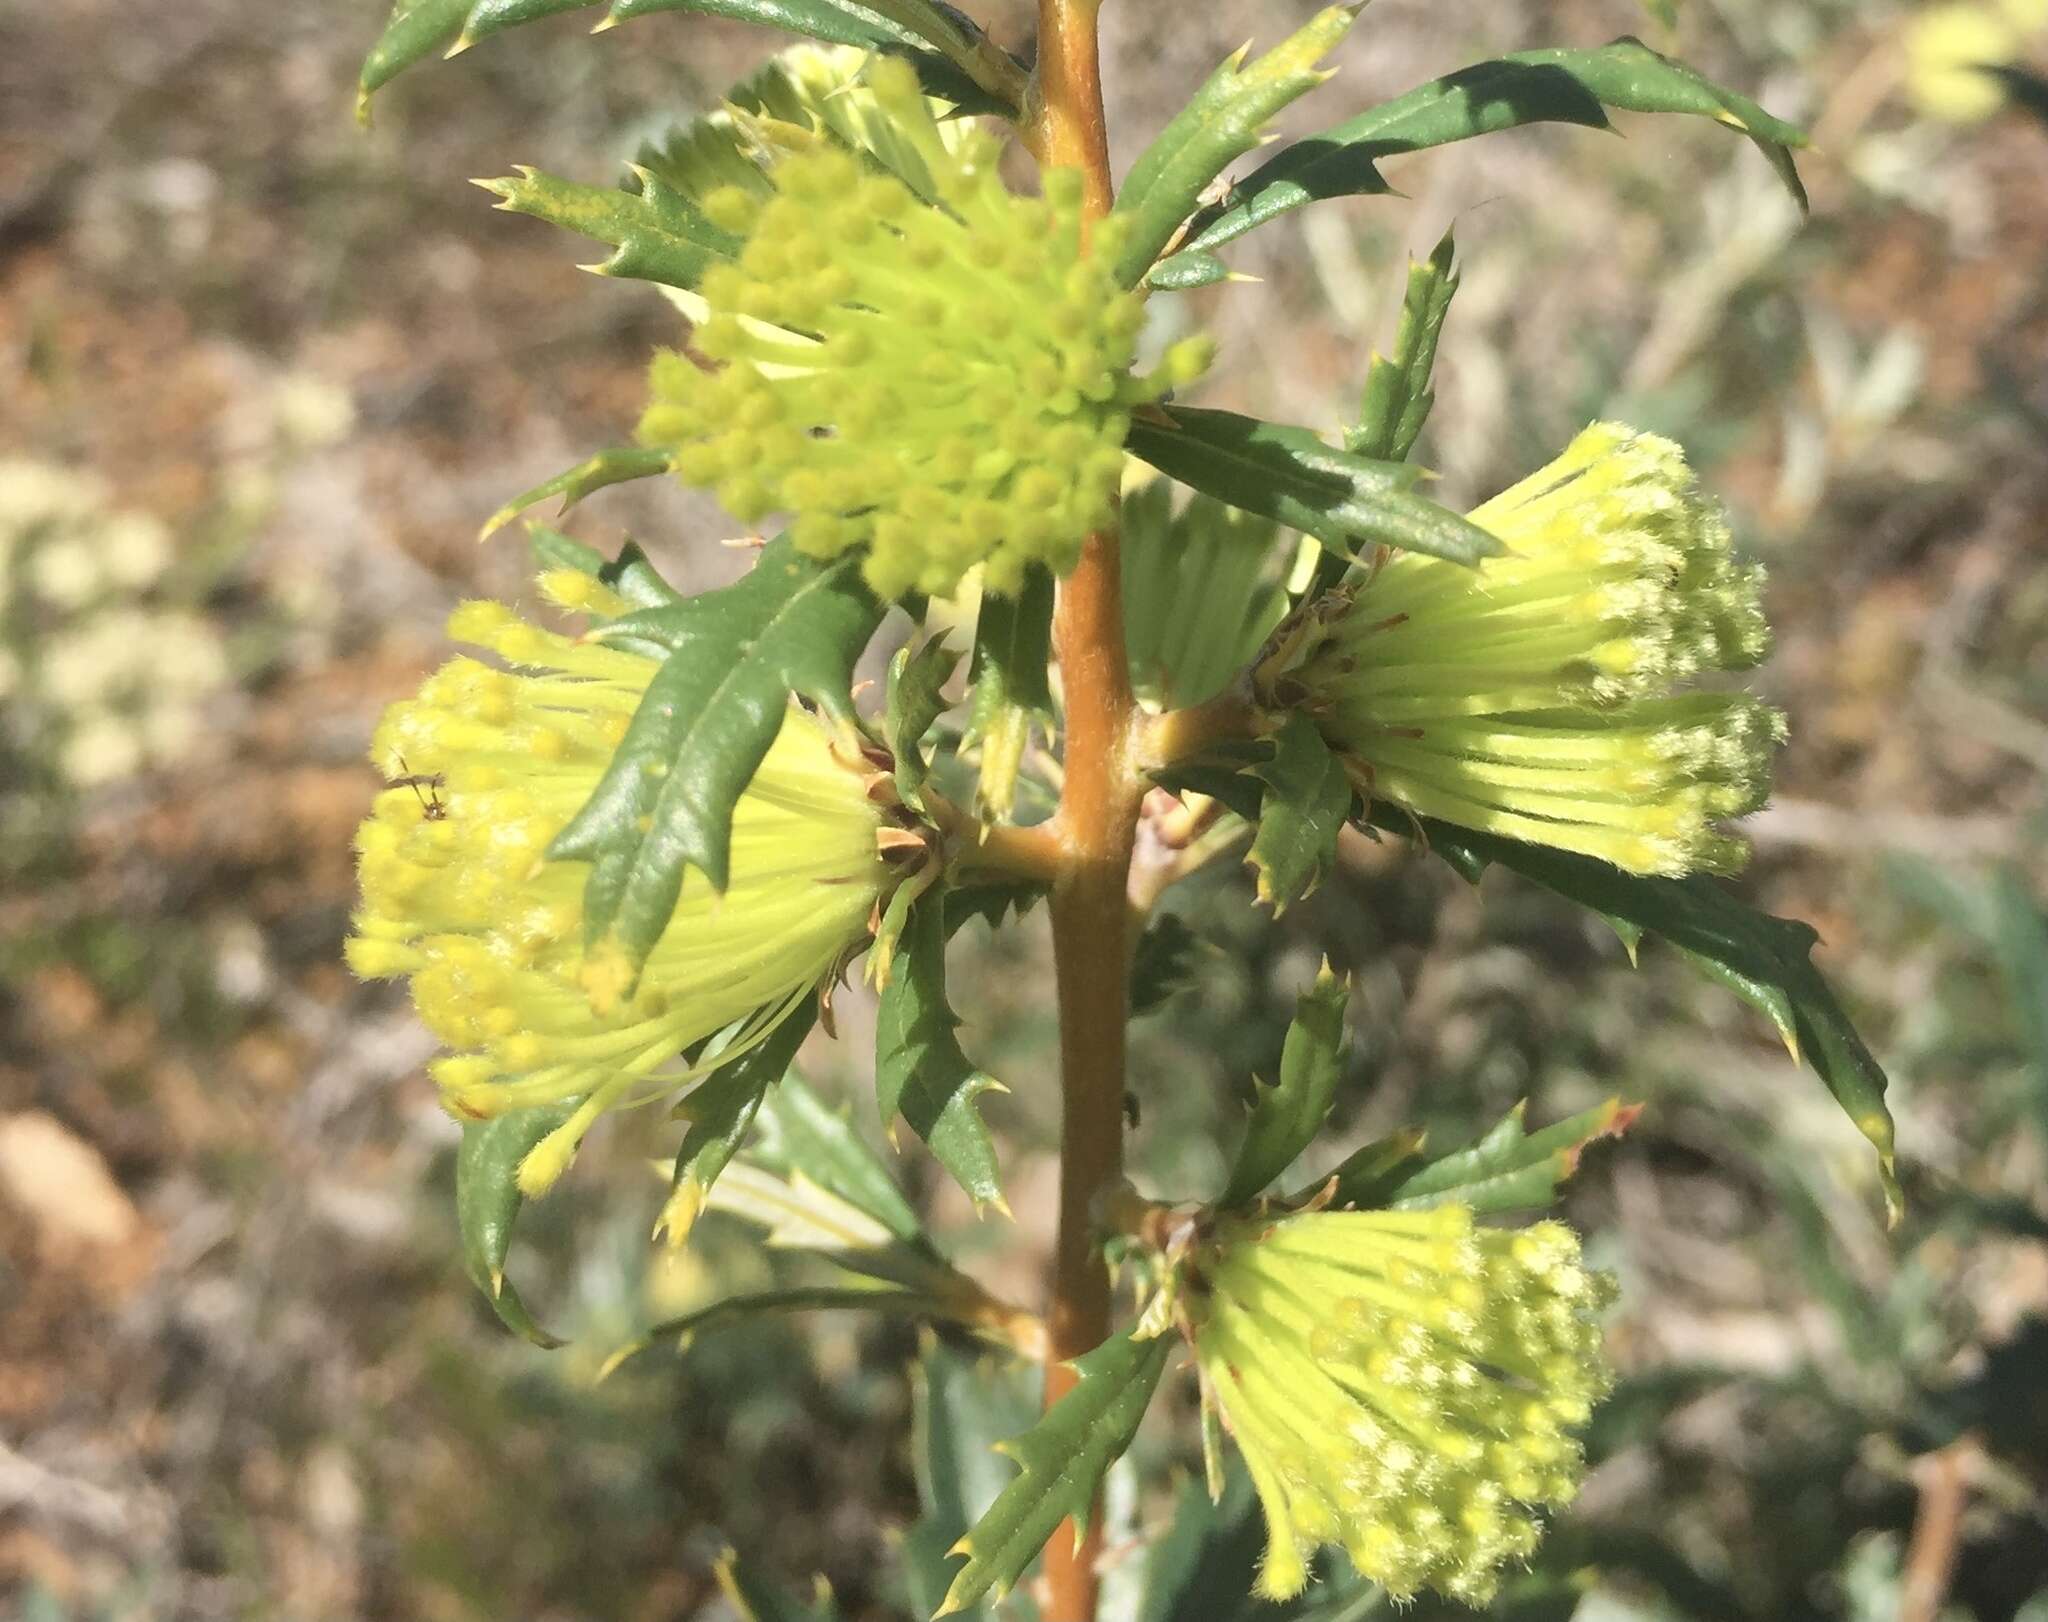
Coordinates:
[1096,827]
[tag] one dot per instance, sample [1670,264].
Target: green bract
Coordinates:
[941,380]
[1538,697]
[1401,1384]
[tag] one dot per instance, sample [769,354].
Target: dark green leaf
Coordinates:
[964,1406]
[920,1069]
[795,1131]
[1287,1115]
[753,1599]
[916,699]
[1163,962]
[1288,474]
[656,233]
[1398,395]
[993,903]
[1368,1175]
[1217,127]
[1306,802]
[1008,693]
[1570,86]
[487,1201]
[721,1110]
[1060,1465]
[791,625]
[1764,960]
[593,473]
[1510,1169]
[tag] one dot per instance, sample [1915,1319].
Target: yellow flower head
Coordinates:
[1538,696]
[1948,47]
[489,764]
[1402,1385]
[930,369]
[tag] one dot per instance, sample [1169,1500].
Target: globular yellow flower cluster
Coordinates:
[459,895]
[939,378]
[1950,47]
[1540,696]
[1403,1385]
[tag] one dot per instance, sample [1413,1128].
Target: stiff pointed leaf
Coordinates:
[1217,127]
[1368,1175]
[487,1202]
[1346,501]
[1398,395]
[917,698]
[920,1070]
[1287,1115]
[609,467]
[1568,86]
[1008,691]
[656,233]
[795,1130]
[964,1405]
[1510,1169]
[790,626]
[753,1599]
[1060,1465]
[1163,962]
[1765,960]
[795,1213]
[1306,803]
[770,1303]
[721,1112]
[417,29]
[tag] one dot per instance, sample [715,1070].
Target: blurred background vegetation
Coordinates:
[261,377]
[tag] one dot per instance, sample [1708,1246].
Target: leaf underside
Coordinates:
[1307,799]
[487,1202]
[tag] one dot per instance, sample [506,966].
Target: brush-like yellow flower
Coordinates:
[1401,1384]
[1538,697]
[459,896]
[940,377]
[1948,48]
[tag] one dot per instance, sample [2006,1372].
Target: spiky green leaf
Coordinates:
[656,233]
[1344,500]
[795,1130]
[418,28]
[721,1111]
[1008,692]
[920,1070]
[963,1406]
[1569,86]
[791,625]
[916,699]
[487,1202]
[631,574]
[1765,960]
[1219,125]
[1163,961]
[593,473]
[1510,1169]
[1306,802]
[1287,1115]
[1060,1465]
[1398,395]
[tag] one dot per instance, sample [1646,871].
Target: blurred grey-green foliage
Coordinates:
[240,1375]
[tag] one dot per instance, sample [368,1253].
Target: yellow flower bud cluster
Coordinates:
[1402,1384]
[489,764]
[102,679]
[1539,697]
[939,379]
[1949,47]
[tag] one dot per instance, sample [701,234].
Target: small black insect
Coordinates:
[1131,1111]
[427,786]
